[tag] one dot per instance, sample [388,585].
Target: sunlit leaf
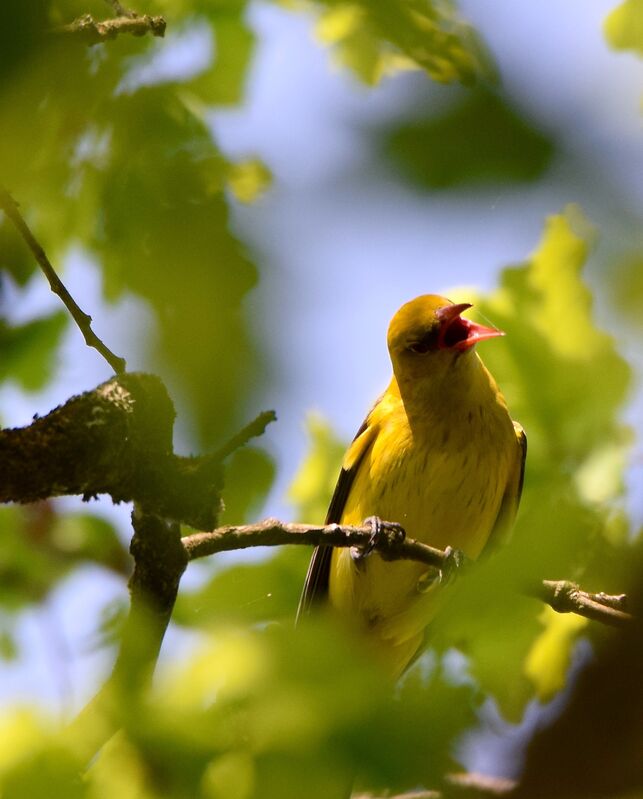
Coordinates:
[548,661]
[248,180]
[600,478]
[553,353]
[381,37]
[232,774]
[623,27]
[120,770]
[548,365]
[33,763]
[224,83]
[294,704]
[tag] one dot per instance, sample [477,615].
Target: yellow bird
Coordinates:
[439,454]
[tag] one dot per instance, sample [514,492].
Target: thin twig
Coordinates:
[83,320]
[412,795]
[468,785]
[272,532]
[252,430]
[562,596]
[89,31]
[566,597]
[119,10]
[480,784]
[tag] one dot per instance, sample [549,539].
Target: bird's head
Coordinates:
[428,335]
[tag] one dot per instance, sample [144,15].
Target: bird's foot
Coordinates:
[391,531]
[454,564]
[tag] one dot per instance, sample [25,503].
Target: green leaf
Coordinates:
[232,774]
[566,383]
[27,352]
[481,140]
[189,267]
[293,707]
[249,180]
[378,37]
[223,84]
[562,376]
[39,547]
[22,28]
[15,258]
[136,180]
[8,646]
[625,285]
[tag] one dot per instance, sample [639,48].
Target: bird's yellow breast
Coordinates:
[442,475]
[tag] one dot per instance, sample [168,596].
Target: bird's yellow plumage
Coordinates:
[439,454]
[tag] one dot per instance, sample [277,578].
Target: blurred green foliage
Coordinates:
[29,350]
[482,139]
[39,547]
[566,383]
[98,154]
[268,713]
[626,286]
[247,593]
[313,485]
[378,37]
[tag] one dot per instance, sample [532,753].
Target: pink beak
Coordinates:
[460,334]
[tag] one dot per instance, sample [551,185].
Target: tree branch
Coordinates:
[116,440]
[87,30]
[83,320]
[119,10]
[252,430]
[566,597]
[562,596]
[159,563]
[272,533]
[469,785]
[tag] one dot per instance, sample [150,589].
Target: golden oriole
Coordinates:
[439,454]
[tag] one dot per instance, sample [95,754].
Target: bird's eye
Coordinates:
[420,347]
[429,341]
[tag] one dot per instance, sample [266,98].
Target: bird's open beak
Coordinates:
[460,334]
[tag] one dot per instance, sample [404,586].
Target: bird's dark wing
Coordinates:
[345,480]
[509,506]
[316,583]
